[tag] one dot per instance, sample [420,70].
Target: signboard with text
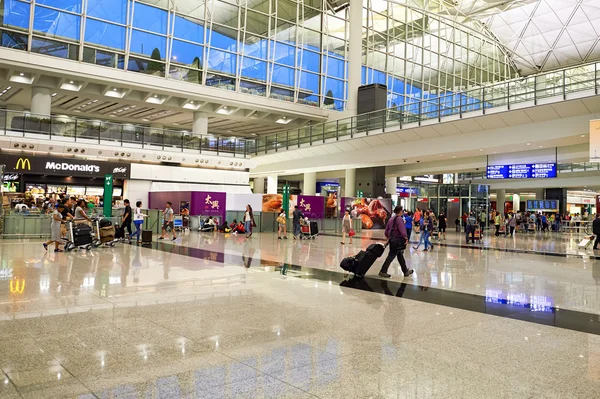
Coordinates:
[312,206]
[522,171]
[542,205]
[45,165]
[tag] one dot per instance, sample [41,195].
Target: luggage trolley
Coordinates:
[309,230]
[105,233]
[79,235]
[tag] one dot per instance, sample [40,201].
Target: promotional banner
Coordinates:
[345,203]
[43,165]
[208,203]
[373,212]
[312,206]
[595,140]
[272,202]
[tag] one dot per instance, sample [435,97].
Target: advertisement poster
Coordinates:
[312,206]
[595,140]
[331,204]
[345,203]
[272,203]
[208,204]
[374,213]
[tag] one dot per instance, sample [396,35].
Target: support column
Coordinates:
[41,100]
[390,185]
[272,184]
[200,125]
[516,202]
[259,185]
[310,183]
[500,198]
[354,57]
[350,183]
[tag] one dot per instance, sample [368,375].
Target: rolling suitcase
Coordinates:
[362,262]
[314,228]
[147,235]
[82,235]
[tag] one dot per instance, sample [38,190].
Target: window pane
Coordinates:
[222,61]
[110,10]
[310,61]
[69,5]
[187,53]
[257,23]
[334,88]
[148,44]
[256,47]
[54,48]
[15,14]
[148,67]
[104,34]
[283,75]
[189,29]
[14,40]
[284,54]
[309,82]
[150,18]
[223,82]
[335,67]
[254,69]
[223,38]
[56,23]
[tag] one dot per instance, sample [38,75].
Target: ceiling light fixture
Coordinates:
[21,74]
[528,143]
[70,81]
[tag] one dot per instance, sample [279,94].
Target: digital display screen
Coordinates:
[522,171]
[551,205]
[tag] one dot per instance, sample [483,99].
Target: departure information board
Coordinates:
[522,171]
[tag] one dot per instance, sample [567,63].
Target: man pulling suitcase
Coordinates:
[395,231]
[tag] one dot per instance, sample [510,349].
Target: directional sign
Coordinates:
[522,171]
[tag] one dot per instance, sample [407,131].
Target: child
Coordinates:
[55,229]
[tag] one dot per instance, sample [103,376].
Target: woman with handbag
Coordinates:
[249,221]
[282,221]
[347,227]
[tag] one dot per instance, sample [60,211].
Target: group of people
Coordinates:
[244,226]
[526,222]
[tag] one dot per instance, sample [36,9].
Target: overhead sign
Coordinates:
[522,171]
[44,165]
[542,205]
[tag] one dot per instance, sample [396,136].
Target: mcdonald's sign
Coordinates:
[17,286]
[23,164]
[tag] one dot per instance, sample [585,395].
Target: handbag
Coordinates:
[280,220]
[351,233]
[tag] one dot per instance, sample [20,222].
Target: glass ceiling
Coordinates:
[540,35]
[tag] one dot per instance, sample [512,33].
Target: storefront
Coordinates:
[581,202]
[33,177]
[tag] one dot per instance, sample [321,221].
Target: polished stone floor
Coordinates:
[217,316]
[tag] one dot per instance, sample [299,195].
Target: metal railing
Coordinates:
[70,129]
[560,85]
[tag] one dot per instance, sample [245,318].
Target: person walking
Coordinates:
[408,222]
[497,221]
[395,232]
[596,230]
[282,228]
[346,227]
[417,219]
[470,229]
[512,224]
[126,220]
[296,216]
[442,224]
[428,229]
[249,222]
[138,220]
[168,218]
[80,212]
[55,233]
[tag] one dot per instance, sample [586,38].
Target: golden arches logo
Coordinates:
[17,286]
[23,163]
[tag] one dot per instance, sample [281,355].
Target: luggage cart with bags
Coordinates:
[105,233]
[79,236]
[309,230]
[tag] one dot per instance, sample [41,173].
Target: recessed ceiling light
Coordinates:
[114,89]
[528,143]
[453,156]
[541,146]
[224,107]
[70,81]
[481,149]
[583,135]
[155,96]
[191,102]
[21,74]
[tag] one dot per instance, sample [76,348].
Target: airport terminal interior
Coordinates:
[299,199]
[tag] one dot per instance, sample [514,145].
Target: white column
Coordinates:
[272,184]
[516,202]
[310,183]
[390,185]
[500,198]
[200,125]
[259,185]
[41,100]
[350,183]
[354,57]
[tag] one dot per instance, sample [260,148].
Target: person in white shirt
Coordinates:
[21,208]
[138,220]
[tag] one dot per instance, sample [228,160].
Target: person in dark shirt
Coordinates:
[596,230]
[127,217]
[395,231]
[296,216]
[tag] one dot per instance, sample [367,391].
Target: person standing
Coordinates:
[596,230]
[408,222]
[470,229]
[55,229]
[512,224]
[249,221]
[497,221]
[346,227]
[297,215]
[483,221]
[395,232]
[417,220]
[138,219]
[428,229]
[525,222]
[168,218]
[442,224]
[126,219]
[282,228]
